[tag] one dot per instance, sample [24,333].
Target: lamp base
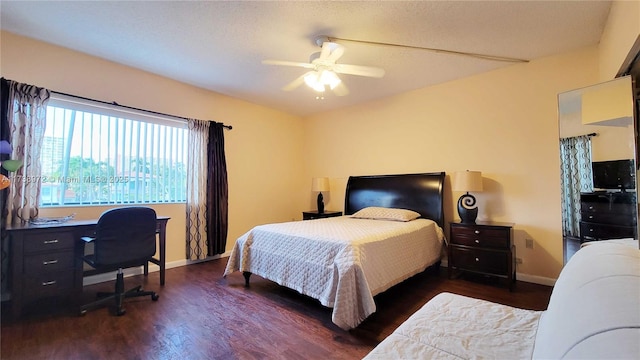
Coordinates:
[467,213]
[320,203]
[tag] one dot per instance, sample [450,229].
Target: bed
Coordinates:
[593,313]
[343,262]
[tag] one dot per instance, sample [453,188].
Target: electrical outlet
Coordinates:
[529,243]
[518,260]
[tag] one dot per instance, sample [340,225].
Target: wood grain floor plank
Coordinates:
[201,315]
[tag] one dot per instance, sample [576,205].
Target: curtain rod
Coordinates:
[589,135]
[130,107]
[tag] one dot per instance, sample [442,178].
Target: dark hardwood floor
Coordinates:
[571,245]
[201,315]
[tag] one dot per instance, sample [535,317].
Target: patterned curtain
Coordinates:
[27,111]
[197,189]
[576,177]
[217,191]
[22,120]
[4,135]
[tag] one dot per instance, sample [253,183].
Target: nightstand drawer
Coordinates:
[499,238]
[311,215]
[48,241]
[485,261]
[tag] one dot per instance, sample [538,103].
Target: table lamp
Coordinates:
[467,181]
[320,185]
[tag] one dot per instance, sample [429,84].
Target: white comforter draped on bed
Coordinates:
[342,261]
[458,327]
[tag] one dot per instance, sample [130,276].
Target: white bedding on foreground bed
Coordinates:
[593,313]
[341,261]
[489,330]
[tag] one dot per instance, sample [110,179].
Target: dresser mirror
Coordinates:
[598,163]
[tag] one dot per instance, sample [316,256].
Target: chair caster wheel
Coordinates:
[82,313]
[155,297]
[120,312]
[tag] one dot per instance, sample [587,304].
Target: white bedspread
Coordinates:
[458,327]
[341,261]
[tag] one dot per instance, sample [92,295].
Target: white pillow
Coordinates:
[381,213]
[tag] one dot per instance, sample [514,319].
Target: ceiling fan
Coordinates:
[323,69]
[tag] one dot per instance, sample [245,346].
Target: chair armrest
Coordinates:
[87,239]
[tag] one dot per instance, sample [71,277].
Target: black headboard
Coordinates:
[422,193]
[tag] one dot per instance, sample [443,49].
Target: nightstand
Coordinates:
[484,248]
[313,214]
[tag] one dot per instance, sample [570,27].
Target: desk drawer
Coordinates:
[50,284]
[48,241]
[47,262]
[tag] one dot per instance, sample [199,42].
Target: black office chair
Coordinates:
[124,237]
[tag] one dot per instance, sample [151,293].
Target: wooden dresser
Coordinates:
[607,215]
[484,248]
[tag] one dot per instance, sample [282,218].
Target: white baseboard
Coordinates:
[95,279]
[523,277]
[536,279]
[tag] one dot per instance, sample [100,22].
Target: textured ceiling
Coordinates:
[219,45]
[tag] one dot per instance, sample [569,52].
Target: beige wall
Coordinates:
[619,36]
[503,123]
[263,150]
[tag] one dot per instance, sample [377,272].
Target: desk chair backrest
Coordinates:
[125,236]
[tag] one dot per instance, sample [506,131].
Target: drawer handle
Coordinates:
[590,216]
[476,232]
[477,241]
[50,262]
[47,283]
[54,241]
[590,207]
[477,259]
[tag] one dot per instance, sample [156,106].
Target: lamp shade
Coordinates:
[467,181]
[320,184]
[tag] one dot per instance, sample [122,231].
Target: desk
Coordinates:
[45,260]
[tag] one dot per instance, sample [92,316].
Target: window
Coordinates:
[95,154]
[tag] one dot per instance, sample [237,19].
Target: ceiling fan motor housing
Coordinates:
[321,40]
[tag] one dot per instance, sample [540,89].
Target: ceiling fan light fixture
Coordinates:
[312,79]
[319,80]
[328,77]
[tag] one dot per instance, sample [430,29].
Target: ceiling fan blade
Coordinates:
[341,89]
[359,70]
[326,50]
[295,83]
[288,63]
[336,52]
[331,51]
